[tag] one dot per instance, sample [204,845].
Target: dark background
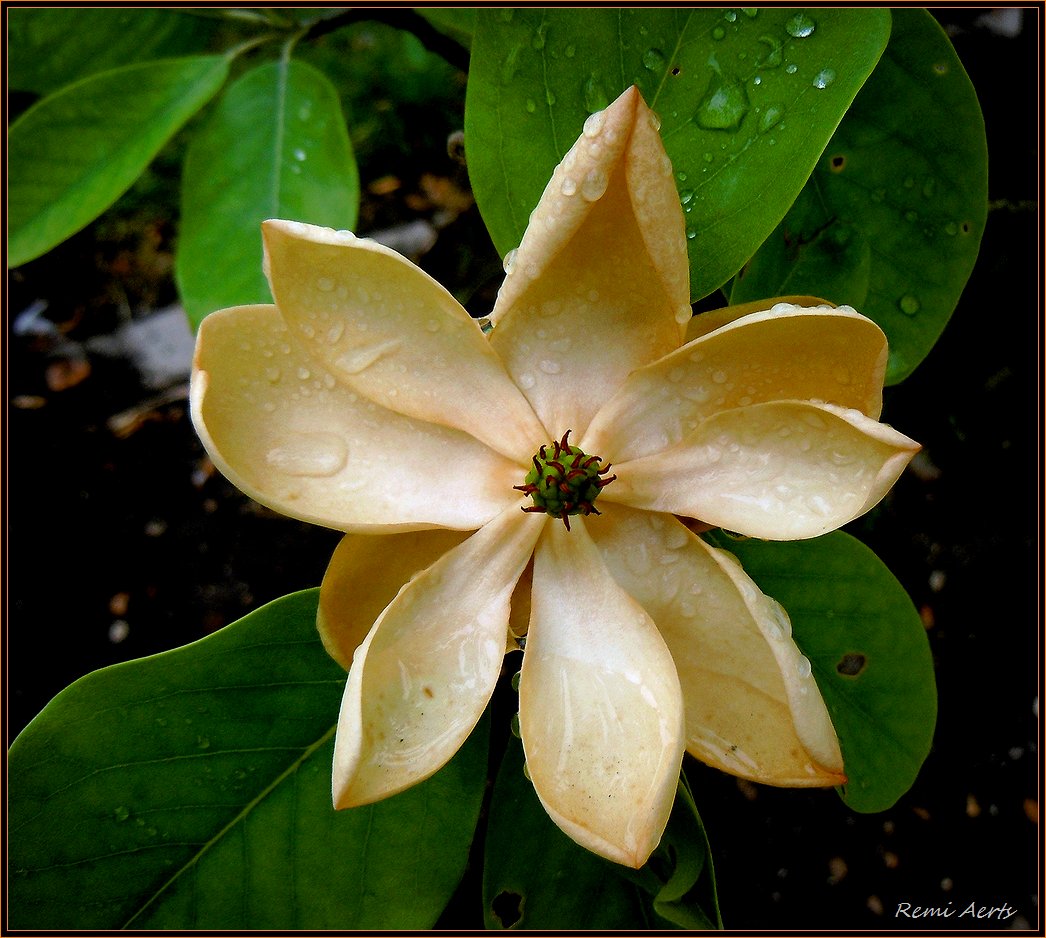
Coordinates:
[123,544]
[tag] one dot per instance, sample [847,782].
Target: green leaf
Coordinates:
[747,100]
[535,877]
[458,24]
[74,153]
[50,48]
[869,653]
[191,790]
[275,147]
[891,220]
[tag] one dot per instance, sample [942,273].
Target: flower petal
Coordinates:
[703,323]
[363,577]
[285,432]
[783,470]
[784,353]
[392,333]
[600,282]
[599,704]
[424,674]
[752,707]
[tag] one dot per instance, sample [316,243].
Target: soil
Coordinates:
[124,541]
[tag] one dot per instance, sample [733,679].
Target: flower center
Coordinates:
[565,481]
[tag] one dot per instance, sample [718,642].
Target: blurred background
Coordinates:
[124,541]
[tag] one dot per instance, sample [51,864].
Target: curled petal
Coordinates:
[785,353]
[599,704]
[422,678]
[783,470]
[600,282]
[752,706]
[363,577]
[703,323]
[286,432]
[390,332]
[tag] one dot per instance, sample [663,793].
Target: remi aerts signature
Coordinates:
[997,912]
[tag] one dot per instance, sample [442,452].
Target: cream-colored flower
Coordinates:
[367,400]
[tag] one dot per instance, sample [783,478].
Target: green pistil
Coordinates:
[565,481]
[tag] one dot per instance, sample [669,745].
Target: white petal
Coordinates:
[783,470]
[422,678]
[283,429]
[600,282]
[600,706]
[785,353]
[752,706]
[392,333]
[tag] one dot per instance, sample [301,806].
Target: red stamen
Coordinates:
[557,449]
[603,482]
[548,481]
[557,465]
[541,450]
[564,488]
[531,508]
[528,489]
[590,461]
[577,459]
[605,469]
[537,465]
[563,442]
[565,519]
[575,473]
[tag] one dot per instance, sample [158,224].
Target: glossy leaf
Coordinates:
[747,101]
[275,147]
[869,653]
[49,48]
[72,154]
[535,877]
[191,790]
[891,220]
[458,23]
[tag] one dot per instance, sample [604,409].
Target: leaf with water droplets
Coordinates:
[276,147]
[222,819]
[868,652]
[918,201]
[734,94]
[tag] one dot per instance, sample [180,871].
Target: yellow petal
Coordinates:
[785,353]
[752,707]
[783,470]
[390,332]
[363,577]
[424,674]
[600,708]
[600,282]
[284,431]
[703,323]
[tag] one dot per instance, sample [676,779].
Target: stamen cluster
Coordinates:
[565,481]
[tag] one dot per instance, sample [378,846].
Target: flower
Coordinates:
[367,400]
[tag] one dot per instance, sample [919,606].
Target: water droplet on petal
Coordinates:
[273,375]
[309,454]
[594,124]
[526,381]
[509,263]
[568,186]
[549,366]
[432,325]
[325,284]
[803,667]
[594,184]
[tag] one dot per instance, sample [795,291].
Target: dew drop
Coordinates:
[951,228]
[654,120]
[526,381]
[568,186]
[791,68]
[594,185]
[432,325]
[803,667]
[202,742]
[730,16]
[770,118]
[724,105]
[909,305]
[335,332]
[911,215]
[300,155]
[654,60]
[509,263]
[485,325]
[531,106]
[325,284]
[718,33]
[773,56]
[686,196]
[929,188]
[824,78]
[684,314]
[691,233]
[550,98]
[593,94]
[719,377]
[314,455]
[594,124]
[538,42]
[800,26]
[549,367]
[273,375]
[687,609]
[122,813]
[750,12]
